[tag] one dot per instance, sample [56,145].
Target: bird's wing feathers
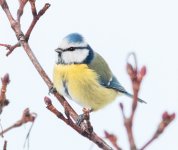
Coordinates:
[114,83]
[106,78]
[105,75]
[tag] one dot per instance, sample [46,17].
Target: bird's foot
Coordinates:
[52,90]
[80,119]
[85,117]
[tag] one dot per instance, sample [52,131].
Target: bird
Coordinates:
[82,74]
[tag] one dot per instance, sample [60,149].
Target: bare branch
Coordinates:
[36,17]
[90,135]
[33,7]
[3,101]
[22,4]
[113,139]
[51,107]
[136,78]
[5,145]
[166,120]
[26,117]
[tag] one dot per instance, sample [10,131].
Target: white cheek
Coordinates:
[76,56]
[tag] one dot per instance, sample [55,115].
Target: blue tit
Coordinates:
[82,75]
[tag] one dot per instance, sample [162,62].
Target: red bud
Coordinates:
[47,100]
[143,71]
[172,116]
[165,115]
[5,79]
[129,69]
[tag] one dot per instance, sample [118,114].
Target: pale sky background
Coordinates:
[113,28]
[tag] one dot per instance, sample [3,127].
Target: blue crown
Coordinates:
[74,38]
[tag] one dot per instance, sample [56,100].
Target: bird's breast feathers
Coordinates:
[82,85]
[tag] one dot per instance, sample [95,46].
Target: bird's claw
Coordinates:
[84,116]
[80,119]
[52,90]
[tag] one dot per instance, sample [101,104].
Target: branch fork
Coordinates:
[136,77]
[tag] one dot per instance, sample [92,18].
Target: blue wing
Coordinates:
[106,78]
[114,84]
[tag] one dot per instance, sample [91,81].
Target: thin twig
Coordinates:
[166,120]
[26,117]
[136,78]
[36,17]
[5,145]
[22,4]
[3,101]
[92,136]
[113,139]
[28,134]
[33,7]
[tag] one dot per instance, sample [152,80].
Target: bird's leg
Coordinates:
[84,116]
[52,90]
[90,128]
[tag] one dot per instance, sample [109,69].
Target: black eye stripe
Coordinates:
[70,49]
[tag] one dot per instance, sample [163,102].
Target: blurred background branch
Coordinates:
[3,101]
[26,117]
[136,77]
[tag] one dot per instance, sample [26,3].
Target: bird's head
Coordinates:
[74,50]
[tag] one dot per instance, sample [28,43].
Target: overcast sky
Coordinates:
[113,28]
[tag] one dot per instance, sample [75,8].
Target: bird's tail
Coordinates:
[131,96]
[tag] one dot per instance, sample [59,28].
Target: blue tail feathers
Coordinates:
[131,96]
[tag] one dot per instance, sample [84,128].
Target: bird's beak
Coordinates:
[58,50]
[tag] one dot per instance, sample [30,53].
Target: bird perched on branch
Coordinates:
[83,75]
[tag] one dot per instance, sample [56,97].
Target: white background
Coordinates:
[112,28]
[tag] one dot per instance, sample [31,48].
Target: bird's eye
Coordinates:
[71,49]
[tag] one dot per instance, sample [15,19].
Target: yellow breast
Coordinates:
[82,85]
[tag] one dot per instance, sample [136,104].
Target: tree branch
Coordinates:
[5,145]
[113,139]
[90,135]
[136,78]
[24,43]
[166,120]
[3,101]
[22,4]
[33,7]
[36,17]
[26,117]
